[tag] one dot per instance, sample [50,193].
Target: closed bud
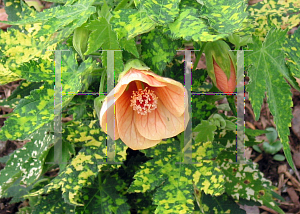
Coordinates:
[222,82]
[221,66]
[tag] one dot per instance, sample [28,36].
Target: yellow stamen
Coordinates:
[143,101]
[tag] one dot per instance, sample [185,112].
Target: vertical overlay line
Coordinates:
[110,110]
[188,131]
[57,109]
[240,147]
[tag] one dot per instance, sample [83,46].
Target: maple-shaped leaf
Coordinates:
[173,181]
[102,36]
[205,131]
[292,50]
[104,196]
[267,75]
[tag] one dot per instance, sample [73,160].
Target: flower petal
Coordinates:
[159,124]
[137,75]
[109,103]
[127,129]
[162,79]
[173,97]
[111,127]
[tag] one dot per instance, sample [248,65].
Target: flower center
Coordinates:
[143,101]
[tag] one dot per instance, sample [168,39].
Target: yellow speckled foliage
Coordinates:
[281,13]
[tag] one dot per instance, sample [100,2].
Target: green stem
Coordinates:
[199,54]
[102,82]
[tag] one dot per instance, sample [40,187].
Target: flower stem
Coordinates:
[102,82]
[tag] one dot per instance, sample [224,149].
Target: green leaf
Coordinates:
[104,196]
[230,125]
[190,27]
[131,22]
[266,14]
[102,36]
[105,12]
[35,110]
[26,162]
[271,135]
[80,40]
[13,9]
[254,133]
[268,65]
[279,157]
[219,205]
[158,50]
[51,26]
[67,14]
[201,109]
[54,203]
[130,46]
[82,107]
[225,16]
[174,182]
[272,148]
[32,113]
[85,166]
[17,190]
[206,131]
[98,104]
[239,41]
[161,12]
[24,89]
[256,148]
[246,181]
[36,70]
[292,50]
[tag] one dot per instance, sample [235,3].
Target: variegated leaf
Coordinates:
[190,27]
[266,14]
[28,161]
[292,50]
[131,22]
[173,180]
[162,11]
[158,50]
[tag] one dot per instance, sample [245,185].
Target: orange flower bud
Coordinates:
[220,64]
[223,83]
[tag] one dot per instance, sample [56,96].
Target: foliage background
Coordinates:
[148,181]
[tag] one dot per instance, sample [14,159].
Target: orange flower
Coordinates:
[148,108]
[223,84]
